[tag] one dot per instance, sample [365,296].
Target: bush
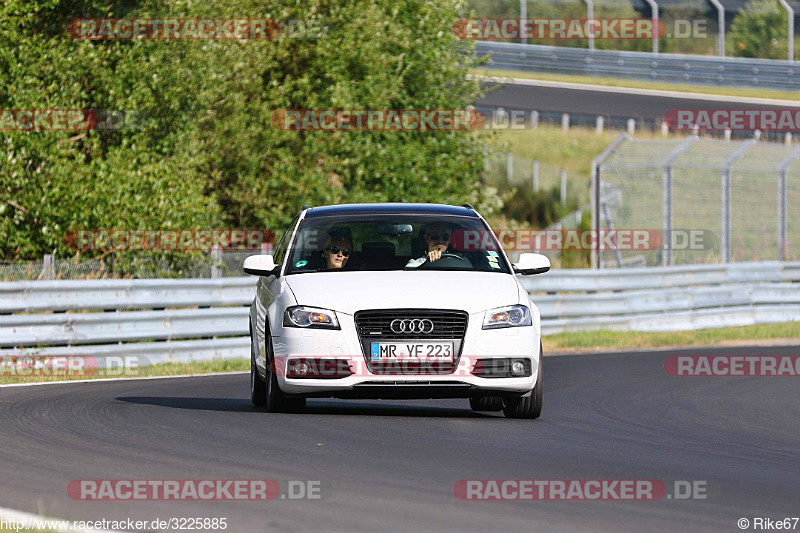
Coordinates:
[207,155]
[760,30]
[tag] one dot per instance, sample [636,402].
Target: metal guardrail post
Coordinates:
[590,16]
[726,198]
[782,201]
[721,22]
[654,18]
[216,258]
[610,224]
[523,14]
[666,258]
[790,11]
[48,267]
[596,163]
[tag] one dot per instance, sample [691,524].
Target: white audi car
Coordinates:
[394,301]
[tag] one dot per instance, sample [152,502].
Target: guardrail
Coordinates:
[128,317]
[674,68]
[162,320]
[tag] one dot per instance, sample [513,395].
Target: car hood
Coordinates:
[348,292]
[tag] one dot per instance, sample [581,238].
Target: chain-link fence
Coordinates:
[506,169]
[214,264]
[554,185]
[711,201]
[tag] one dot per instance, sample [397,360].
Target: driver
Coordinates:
[337,252]
[437,237]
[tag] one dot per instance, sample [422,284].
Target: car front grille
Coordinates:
[376,326]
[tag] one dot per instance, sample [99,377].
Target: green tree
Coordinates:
[378,55]
[760,30]
[52,182]
[207,155]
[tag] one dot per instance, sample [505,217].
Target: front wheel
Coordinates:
[527,406]
[258,387]
[276,400]
[486,403]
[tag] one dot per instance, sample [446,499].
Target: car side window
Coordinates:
[280,250]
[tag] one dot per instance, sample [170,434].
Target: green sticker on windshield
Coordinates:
[300,264]
[492,253]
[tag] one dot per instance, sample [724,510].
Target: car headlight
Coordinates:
[507,317]
[301,316]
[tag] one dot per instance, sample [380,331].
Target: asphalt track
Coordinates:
[650,107]
[391,465]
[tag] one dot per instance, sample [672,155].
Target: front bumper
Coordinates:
[344,346]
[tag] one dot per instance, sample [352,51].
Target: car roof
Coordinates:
[390,208]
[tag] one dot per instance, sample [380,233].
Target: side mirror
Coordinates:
[260,265]
[530,264]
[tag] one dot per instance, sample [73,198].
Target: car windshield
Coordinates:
[395,242]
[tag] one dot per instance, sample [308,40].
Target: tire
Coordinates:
[276,400]
[486,403]
[258,387]
[527,406]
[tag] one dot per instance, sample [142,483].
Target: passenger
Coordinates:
[437,237]
[336,252]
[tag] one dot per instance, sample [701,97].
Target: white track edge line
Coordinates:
[678,347]
[99,380]
[643,92]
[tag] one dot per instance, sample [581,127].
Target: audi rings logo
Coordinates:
[411,325]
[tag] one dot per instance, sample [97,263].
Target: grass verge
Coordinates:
[637,84]
[7,376]
[605,339]
[572,150]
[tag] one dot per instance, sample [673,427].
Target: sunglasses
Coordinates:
[335,250]
[439,236]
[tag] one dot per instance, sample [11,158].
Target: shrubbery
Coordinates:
[760,30]
[207,155]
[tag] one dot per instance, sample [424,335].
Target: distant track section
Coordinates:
[619,102]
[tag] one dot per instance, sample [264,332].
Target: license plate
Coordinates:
[423,351]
